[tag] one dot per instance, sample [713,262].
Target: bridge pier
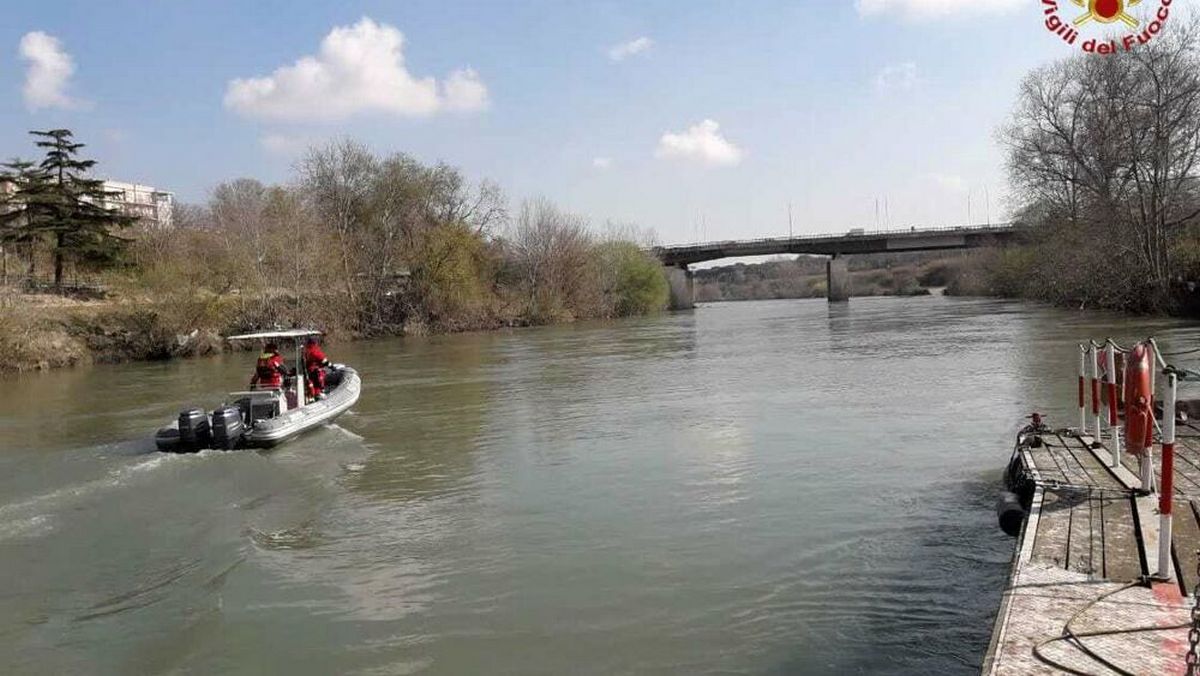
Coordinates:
[682,289]
[837,280]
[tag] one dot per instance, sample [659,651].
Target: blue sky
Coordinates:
[828,105]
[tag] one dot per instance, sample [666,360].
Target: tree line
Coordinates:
[355,242]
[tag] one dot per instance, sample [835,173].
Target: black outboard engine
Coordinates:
[227,427]
[193,430]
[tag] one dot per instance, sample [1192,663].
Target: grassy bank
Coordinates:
[46,331]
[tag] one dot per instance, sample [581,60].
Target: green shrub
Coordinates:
[636,283]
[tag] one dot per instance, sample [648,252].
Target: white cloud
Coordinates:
[464,91]
[897,77]
[935,9]
[284,144]
[49,73]
[358,69]
[602,162]
[624,50]
[948,182]
[700,143]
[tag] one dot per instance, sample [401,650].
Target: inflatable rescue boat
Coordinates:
[264,417]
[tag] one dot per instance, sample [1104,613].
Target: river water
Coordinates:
[760,488]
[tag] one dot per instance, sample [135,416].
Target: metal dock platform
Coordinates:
[1079,598]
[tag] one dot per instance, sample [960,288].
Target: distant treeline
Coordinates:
[910,274]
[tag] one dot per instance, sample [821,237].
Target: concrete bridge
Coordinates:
[678,258]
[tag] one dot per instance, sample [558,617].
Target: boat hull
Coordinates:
[279,429]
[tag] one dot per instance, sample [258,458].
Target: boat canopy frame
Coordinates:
[293,334]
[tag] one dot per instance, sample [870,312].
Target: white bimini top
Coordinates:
[266,335]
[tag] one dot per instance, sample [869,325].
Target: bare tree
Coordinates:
[336,181]
[553,251]
[1111,145]
[237,209]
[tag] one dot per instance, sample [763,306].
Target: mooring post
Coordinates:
[1167,489]
[1114,429]
[1082,401]
[1096,393]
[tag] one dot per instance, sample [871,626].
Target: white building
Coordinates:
[151,206]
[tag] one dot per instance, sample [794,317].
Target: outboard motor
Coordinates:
[227,427]
[193,429]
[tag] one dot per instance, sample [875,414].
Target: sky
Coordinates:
[699,120]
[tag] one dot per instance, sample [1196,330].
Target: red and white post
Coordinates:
[1167,489]
[1114,429]
[1096,393]
[1082,400]
[1147,458]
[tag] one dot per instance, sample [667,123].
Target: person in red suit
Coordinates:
[269,370]
[315,363]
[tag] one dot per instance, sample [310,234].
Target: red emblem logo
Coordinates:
[1098,15]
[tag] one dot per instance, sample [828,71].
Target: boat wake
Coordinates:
[36,515]
[345,431]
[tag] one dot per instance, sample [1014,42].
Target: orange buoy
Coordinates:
[1139,400]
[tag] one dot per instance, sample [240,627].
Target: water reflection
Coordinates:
[424,415]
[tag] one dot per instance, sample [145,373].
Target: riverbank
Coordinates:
[39,332]
[42,331]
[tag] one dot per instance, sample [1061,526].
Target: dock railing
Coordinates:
[1114,425]
[1091,352]
[1167,460]
[1167,487]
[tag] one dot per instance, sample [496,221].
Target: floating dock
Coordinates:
[1080,597]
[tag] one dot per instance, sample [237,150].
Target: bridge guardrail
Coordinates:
[699,246]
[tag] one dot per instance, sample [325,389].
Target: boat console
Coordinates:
[259,404]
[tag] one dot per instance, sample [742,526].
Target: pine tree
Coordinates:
[20,183]
[58,202]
